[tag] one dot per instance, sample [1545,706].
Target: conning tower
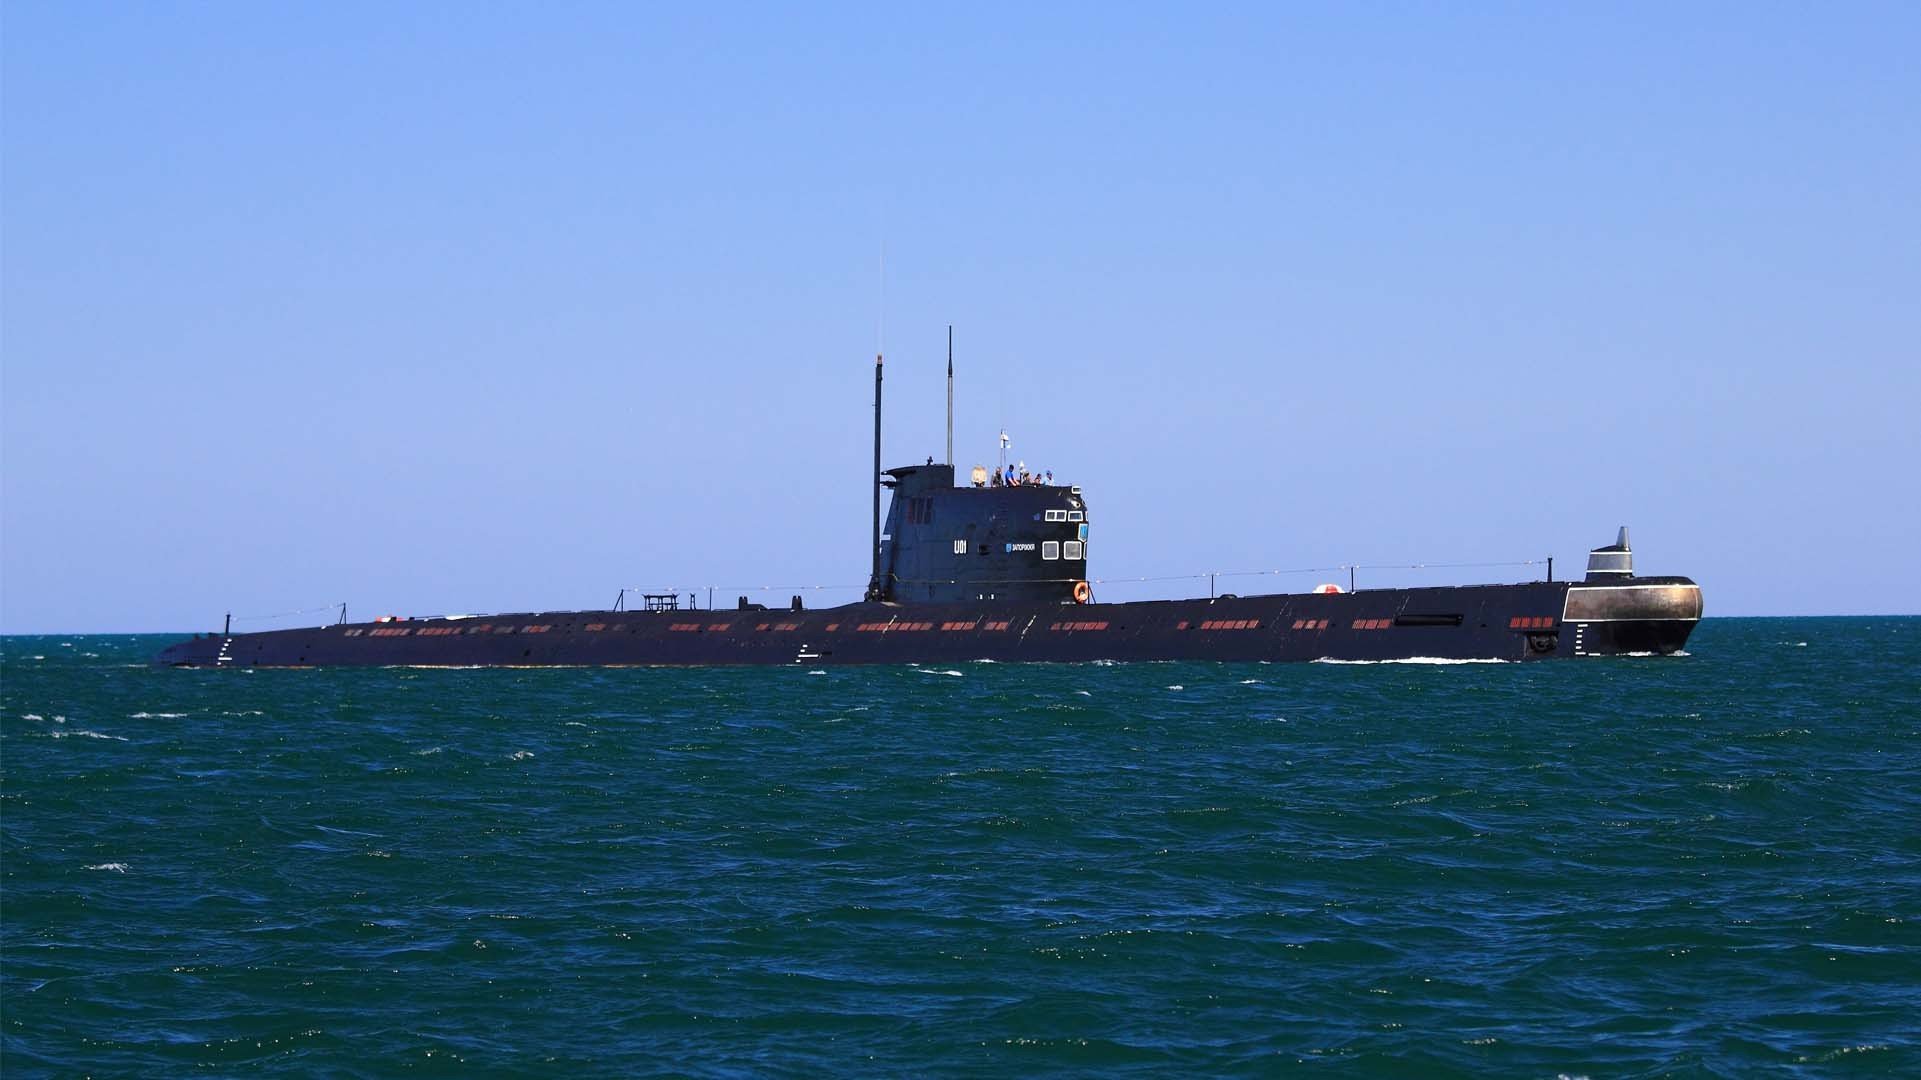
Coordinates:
[947,544]
[1023,540]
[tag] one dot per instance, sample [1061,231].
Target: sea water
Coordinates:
[1707,864]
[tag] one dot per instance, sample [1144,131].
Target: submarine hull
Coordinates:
[1518,622]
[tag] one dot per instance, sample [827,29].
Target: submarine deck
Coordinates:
[1527,621]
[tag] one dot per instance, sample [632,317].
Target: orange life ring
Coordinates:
[1082,592]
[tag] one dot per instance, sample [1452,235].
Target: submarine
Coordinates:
[996,569]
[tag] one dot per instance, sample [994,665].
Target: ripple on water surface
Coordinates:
[1608,867]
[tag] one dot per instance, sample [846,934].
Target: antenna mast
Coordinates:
[950,395]
[874,585]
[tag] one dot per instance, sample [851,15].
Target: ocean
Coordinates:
[1701,865]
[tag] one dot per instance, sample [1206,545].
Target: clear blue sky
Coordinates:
[463,307]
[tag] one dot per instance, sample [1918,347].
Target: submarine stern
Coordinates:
[201,650]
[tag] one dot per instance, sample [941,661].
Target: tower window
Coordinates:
[1050,549]
[1076,515]
[1074,550]
[1057,515]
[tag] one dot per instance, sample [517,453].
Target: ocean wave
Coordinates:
[1831,1055]
[793,840]
[155,715]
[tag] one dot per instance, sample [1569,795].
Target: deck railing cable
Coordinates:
[1147,579]
[1152,578]
[286,614]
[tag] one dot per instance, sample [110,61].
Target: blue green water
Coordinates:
[1698,865]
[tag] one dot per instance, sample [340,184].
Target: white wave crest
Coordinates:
[88,734]
[155,715]
[116,867]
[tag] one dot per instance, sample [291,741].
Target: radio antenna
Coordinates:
[950,395]
[874,585]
